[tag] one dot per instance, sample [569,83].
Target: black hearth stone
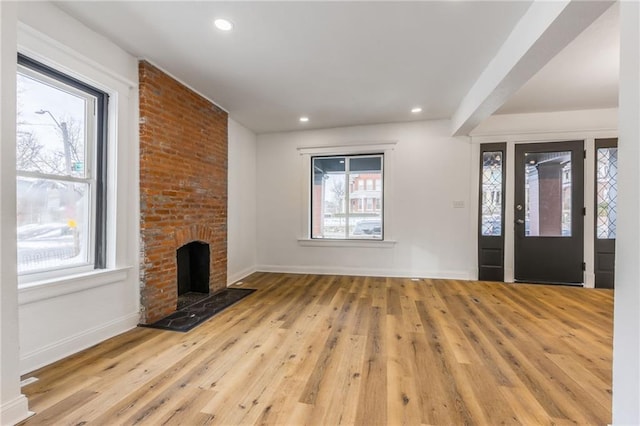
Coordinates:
[186,299]
[187,318]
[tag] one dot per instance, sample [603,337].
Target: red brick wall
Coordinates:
[183,186]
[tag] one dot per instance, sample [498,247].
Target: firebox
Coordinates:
[193,272]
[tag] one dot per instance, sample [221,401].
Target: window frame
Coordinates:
[328,149]
[96,176]
[348,191]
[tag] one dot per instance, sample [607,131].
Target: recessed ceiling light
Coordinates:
[304,119]
[416,110]
[223,24]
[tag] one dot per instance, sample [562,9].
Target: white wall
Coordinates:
[62,316]
[626,333]
[548,124]
[430,171]
[241,212]
[13,405]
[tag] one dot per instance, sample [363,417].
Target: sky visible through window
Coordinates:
[65,107]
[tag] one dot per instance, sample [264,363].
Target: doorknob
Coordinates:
[519,221]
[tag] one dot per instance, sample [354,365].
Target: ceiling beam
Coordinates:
[544,30]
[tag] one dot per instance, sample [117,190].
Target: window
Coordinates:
[542,205]
[61,169]
[606,192]
[491,187]
[340,206]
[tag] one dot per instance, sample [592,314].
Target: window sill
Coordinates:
[47,289]
[307,242]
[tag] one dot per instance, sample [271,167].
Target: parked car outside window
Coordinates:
[369,227]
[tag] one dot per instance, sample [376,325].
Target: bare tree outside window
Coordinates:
[31,156]
[338,189]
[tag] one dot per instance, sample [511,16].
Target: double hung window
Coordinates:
[61,171]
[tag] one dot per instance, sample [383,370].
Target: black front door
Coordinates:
[549,212]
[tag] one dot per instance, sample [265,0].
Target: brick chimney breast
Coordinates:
[183,186]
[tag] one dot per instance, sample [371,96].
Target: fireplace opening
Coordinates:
[193,273]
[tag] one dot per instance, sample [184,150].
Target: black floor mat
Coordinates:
[190,316]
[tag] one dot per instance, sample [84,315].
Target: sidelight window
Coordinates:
[606,192]
[491,220]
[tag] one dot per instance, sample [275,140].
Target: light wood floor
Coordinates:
[308,349]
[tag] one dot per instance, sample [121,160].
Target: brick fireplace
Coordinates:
[183,187]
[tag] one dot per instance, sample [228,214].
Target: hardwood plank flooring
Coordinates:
[312,349]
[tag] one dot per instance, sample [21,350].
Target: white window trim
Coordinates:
[386,148]
[55,287]
[319,242]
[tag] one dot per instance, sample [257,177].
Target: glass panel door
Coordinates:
[549,221]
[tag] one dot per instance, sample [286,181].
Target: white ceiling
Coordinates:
[347,63]
[583,76]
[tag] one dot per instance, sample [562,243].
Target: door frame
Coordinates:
[512,139]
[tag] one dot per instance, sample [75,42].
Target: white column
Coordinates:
[13,405]
[590,172]
[626,333]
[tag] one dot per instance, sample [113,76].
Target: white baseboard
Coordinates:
[73,344]
[237,276]
[14,411]
[589,280]
[508,275]
[392,273]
